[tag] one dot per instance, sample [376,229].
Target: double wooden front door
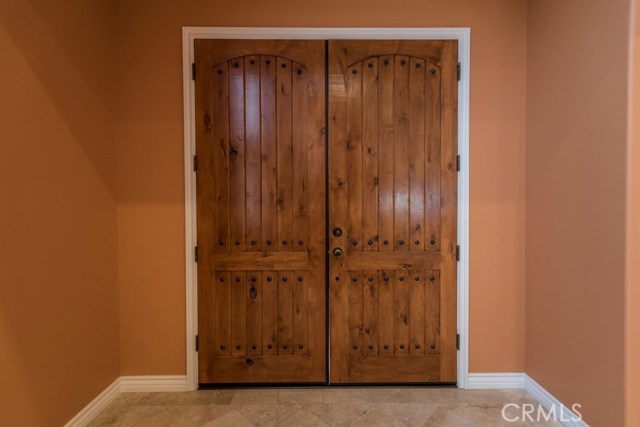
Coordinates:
[266,204]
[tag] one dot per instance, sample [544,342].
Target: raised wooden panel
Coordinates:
[392,190]
[261,210]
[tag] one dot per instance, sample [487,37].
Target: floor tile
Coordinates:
[197,415]
[300,407]
[232,418]
[200,397]
[337,414]
[267,415]
[346,395]
[255,396]
[302,418]
[374,418]
[296,395]
[410,414]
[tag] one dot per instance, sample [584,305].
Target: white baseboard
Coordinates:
[148,383]
[510,380]
[144,383]
[548,400]
[90,411]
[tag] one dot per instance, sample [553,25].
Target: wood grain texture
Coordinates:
[261,210]
[392,146]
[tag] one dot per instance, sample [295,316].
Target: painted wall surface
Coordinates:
[59,344]
[575,215]
[632,331]
[151,177]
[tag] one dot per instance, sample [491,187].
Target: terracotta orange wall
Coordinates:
[632,336]
[150,161]
[575,217]
[59,344]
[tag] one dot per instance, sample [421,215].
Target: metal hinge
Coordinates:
[196,253]
[193,71]
[459,71]
[197,342]
[458,342]
[458,163]
[195,164]
[458,253]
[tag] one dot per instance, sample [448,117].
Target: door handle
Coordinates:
[337,252]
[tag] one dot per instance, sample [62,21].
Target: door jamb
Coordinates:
[190,34]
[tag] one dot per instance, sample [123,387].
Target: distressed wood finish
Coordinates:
[392,191]
[261,210]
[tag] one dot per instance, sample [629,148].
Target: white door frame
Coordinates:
[189,34]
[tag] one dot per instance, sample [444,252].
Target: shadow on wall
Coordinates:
[59,343]
[67,48]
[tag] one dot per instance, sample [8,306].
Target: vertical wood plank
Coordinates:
[300,117]
[300,313]
[354,150]
[401,312]
[238,287]
[386,314]
[205,206]
[355,313]
[401,150]
[316,203]
[223,301]
[237,207]
[270,313]
[416,153]
[221,155]
[448,211]
[285,312]
[416,313]
[269,152]
[253,152]
[432,157]
[338,212]
[386,152]
[254,313]
[370,312]
[285,154]
[370,154]
[432,312]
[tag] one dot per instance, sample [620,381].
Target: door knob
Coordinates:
[337,252]
[337,231]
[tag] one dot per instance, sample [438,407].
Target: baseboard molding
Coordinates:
[90,411]
[128,384]
[155,383]
[510,380]
[548,400]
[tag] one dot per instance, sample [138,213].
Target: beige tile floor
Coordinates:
[300,407]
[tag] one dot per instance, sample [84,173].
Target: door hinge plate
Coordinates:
[193,70]
[195,163]
[458,342]
[459,71]
[197,342]
[458,163]
[458,253]
[195,254]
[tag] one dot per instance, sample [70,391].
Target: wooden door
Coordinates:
[260,143]
[392,210]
